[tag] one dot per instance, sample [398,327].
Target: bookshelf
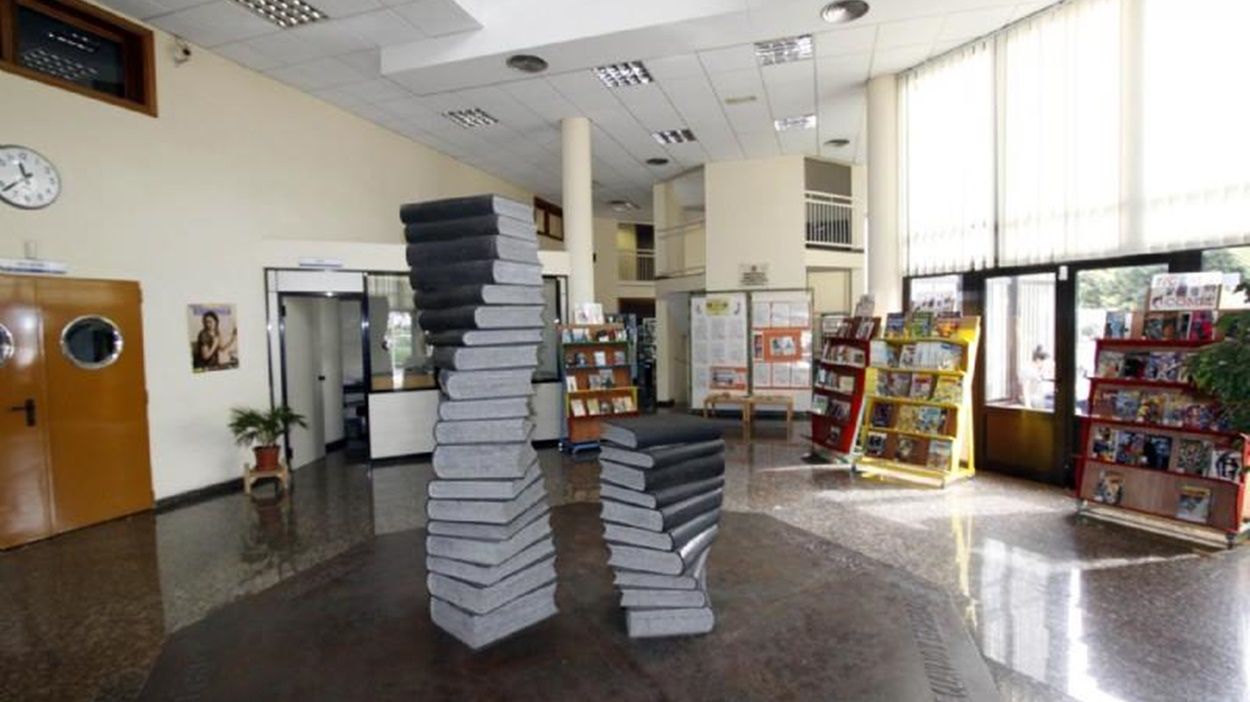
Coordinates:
[596,369]
[838,385]
[1153,452]
[916,423]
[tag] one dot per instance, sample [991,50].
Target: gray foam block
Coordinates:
[488,532]
[648,599]
[485,385]
[482,489]
[486,357]
[496,461]
[485,337]
[670,540]
[488,553]
[505,408]
[662,519]
[489,575]
[664,496]
[477,632]
[649,623]
[650,560]
[487,511]
[660,456]
[482,600]
[483,431]
[694,577]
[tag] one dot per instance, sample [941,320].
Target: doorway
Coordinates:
[323,367]
[73,406]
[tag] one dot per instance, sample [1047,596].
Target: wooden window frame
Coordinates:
[543,212]
[137,42]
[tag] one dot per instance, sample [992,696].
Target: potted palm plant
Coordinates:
[1222,369]
[261,429]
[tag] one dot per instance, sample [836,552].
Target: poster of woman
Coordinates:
[214,337]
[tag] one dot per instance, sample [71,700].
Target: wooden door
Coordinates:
[97,400]
[25,493]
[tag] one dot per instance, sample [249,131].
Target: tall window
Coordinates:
[947,153]
[1020,341]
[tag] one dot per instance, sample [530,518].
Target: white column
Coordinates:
[579,223]
[885,274]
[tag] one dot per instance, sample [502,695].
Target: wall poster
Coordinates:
[781,345]
[214,337]
[718,345]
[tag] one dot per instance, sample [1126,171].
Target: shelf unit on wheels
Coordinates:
[917,418]
[596,368]
[1153,455]
[838,387]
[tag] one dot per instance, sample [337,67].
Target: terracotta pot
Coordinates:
[266,457]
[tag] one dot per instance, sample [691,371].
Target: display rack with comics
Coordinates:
[838,384]
[596,370]
[917,417]
[1155,452]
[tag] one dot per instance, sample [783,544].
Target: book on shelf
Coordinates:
[820,403]
[940,452]
[866,329]
[882,354]
[895,325]
[882,415]
[1193,504]
[618,358]
[570,383]
[921,386]
[1194,456]
[875,444]
[930,420]
[1171,408]
[578,408]
[1110,488]
[592,405]
[1226,463]
[899,384]
[920,324]
[948,390]
[909,449]
[946,324]
[907,357]
[1103,444]
[601,358]
[623,404]
[840,410]
[845,384]
[1118,325]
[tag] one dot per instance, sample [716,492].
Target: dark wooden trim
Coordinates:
[136,41]
[548,210]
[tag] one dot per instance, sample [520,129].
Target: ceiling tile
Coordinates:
[759,144]
[681,66]
[798,141]
[576,82]
[138,9]
[974,23]
[895,60]
[841,42]
[738,84]
[321,73]
[438,17]
[376,90]
[242,54]
[840,73]
[332,37]
[285,48]
[368,62]
[796,71]
[345,8]
[217,22]
[791,99]
[1025,9]
[382,28]
[922,30]
[730,58]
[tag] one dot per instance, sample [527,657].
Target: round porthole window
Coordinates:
[91,342]
[6,346]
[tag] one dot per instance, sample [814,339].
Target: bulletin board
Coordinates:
[781,345]
[718,345]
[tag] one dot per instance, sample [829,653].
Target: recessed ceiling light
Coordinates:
[674,136]
[285,13]
[844,11]
[527,63]
[470,118]
[622,75]
[785,124]
[784,50]
[657,161]
[838,143]
[622,205]
[740,99]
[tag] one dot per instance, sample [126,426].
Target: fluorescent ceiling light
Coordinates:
[784,50]
[740,99]
[470,118]
[785,124]
[674,136]
[844,11]
[622,205]
[285,13]
[621,75]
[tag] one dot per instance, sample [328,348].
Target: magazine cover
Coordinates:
[882,414]
[1193,456]
[895,325]
[1103,402]
[1150,410]
[1157,452]
[1134,364]
[946,325]
[1110,364]
[1102,444]
[1129,447]
[840,409]
[931,420]
[905,418]
[1194,504]
[921,386]
[1117,325]
[578,407]
[1202,325]
[820,403]
[1110,488]
[874,444]
[907,356]
[900,384]
[948,389]
[921,324]
[910,450]
[939,454]
[1225,464]
[1126,404]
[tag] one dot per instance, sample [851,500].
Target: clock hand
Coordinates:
[12,185]
[22,168]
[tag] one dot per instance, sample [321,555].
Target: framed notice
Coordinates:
[1170,292]
[719,357]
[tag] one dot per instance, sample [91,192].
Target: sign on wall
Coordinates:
[753,275]
[718,345]
[214,336]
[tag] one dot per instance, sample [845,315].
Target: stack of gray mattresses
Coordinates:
[662,483]
[478,284]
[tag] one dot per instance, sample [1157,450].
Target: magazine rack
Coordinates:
[1153,455]
[838,385]
[595,369]
[917,419]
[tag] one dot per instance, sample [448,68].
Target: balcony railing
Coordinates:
[828,220]
[636,264]
[681,250]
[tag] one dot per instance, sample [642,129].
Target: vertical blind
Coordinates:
[1113,127]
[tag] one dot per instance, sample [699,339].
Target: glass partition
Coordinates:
[1234,262]
[1020,341]
[1106,295]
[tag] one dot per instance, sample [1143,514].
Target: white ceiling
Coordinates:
[448,54]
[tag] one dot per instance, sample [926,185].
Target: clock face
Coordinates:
[27,179]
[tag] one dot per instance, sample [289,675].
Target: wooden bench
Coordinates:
[748,403]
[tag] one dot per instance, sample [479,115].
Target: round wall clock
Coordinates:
[27,179]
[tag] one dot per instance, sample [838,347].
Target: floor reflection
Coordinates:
[1061,608]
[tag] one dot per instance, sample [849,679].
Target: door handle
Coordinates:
[29,408]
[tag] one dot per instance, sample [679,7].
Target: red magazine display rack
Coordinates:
[838,385]
[1153,453]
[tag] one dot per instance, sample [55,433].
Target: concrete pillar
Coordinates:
[885,274]
[579,223]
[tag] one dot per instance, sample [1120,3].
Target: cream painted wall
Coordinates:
[755,215]
[195,203]
[607,273]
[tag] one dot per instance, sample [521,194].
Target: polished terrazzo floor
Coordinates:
[1060,607]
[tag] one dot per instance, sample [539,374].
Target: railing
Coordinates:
[828,219]
[636,264]
[681,250]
